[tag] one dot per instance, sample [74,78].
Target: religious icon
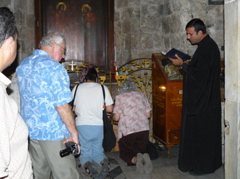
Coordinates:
[88,16]
[83,26]
[89,27]
[60,16]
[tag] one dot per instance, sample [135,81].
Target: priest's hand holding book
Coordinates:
[177,57]
[178,61]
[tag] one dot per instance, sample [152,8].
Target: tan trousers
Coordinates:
[47,161]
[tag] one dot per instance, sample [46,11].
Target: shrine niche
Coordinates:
[87,26]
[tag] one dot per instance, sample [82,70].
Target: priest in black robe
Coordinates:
[200,146]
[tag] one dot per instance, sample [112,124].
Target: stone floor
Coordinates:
[164,167]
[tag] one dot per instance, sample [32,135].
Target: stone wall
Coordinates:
[24,14]
[143,27]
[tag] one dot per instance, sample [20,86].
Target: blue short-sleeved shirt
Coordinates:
[43,84]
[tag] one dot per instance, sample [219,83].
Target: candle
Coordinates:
[115,59]
[116,68]
[115,54]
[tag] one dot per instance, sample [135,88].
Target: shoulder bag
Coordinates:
[72,102]
[109,138]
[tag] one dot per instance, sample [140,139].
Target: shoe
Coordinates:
[131,164]
[139,163]
[191,172]
[104,170]
[147,163]
[91,171]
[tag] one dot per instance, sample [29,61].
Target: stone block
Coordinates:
[147,41]
[121,3]
[135,41]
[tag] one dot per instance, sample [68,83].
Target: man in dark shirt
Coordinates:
[200,146]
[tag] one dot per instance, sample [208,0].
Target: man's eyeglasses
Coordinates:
[63,49]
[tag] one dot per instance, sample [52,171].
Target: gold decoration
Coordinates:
[86,6]
[120,79]
[140,71]
[77,67]
[72,66]
[102,79]
[62,4]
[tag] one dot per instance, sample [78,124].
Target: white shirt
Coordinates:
[89,103]
[15,160]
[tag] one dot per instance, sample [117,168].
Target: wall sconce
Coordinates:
[162,88]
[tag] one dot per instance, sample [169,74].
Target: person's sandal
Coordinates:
[105,168]
[91,171]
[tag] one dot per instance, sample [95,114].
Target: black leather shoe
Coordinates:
[191,172]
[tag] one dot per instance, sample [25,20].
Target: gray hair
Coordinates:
[53,37]
[127,86]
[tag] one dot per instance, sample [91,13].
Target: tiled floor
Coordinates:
[165,167]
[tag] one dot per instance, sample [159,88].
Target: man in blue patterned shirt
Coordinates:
[45,93]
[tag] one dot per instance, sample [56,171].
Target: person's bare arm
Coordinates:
[116,116]
[74,108]
[148,114]
[68,119]
[109,108]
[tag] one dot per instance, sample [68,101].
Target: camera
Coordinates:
[71,148]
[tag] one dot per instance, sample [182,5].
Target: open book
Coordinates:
[173,51]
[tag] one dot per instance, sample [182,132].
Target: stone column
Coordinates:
[232,88]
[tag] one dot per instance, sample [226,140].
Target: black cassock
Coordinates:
[200,146]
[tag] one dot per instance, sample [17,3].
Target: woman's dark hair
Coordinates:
[198,25]
[92,75]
